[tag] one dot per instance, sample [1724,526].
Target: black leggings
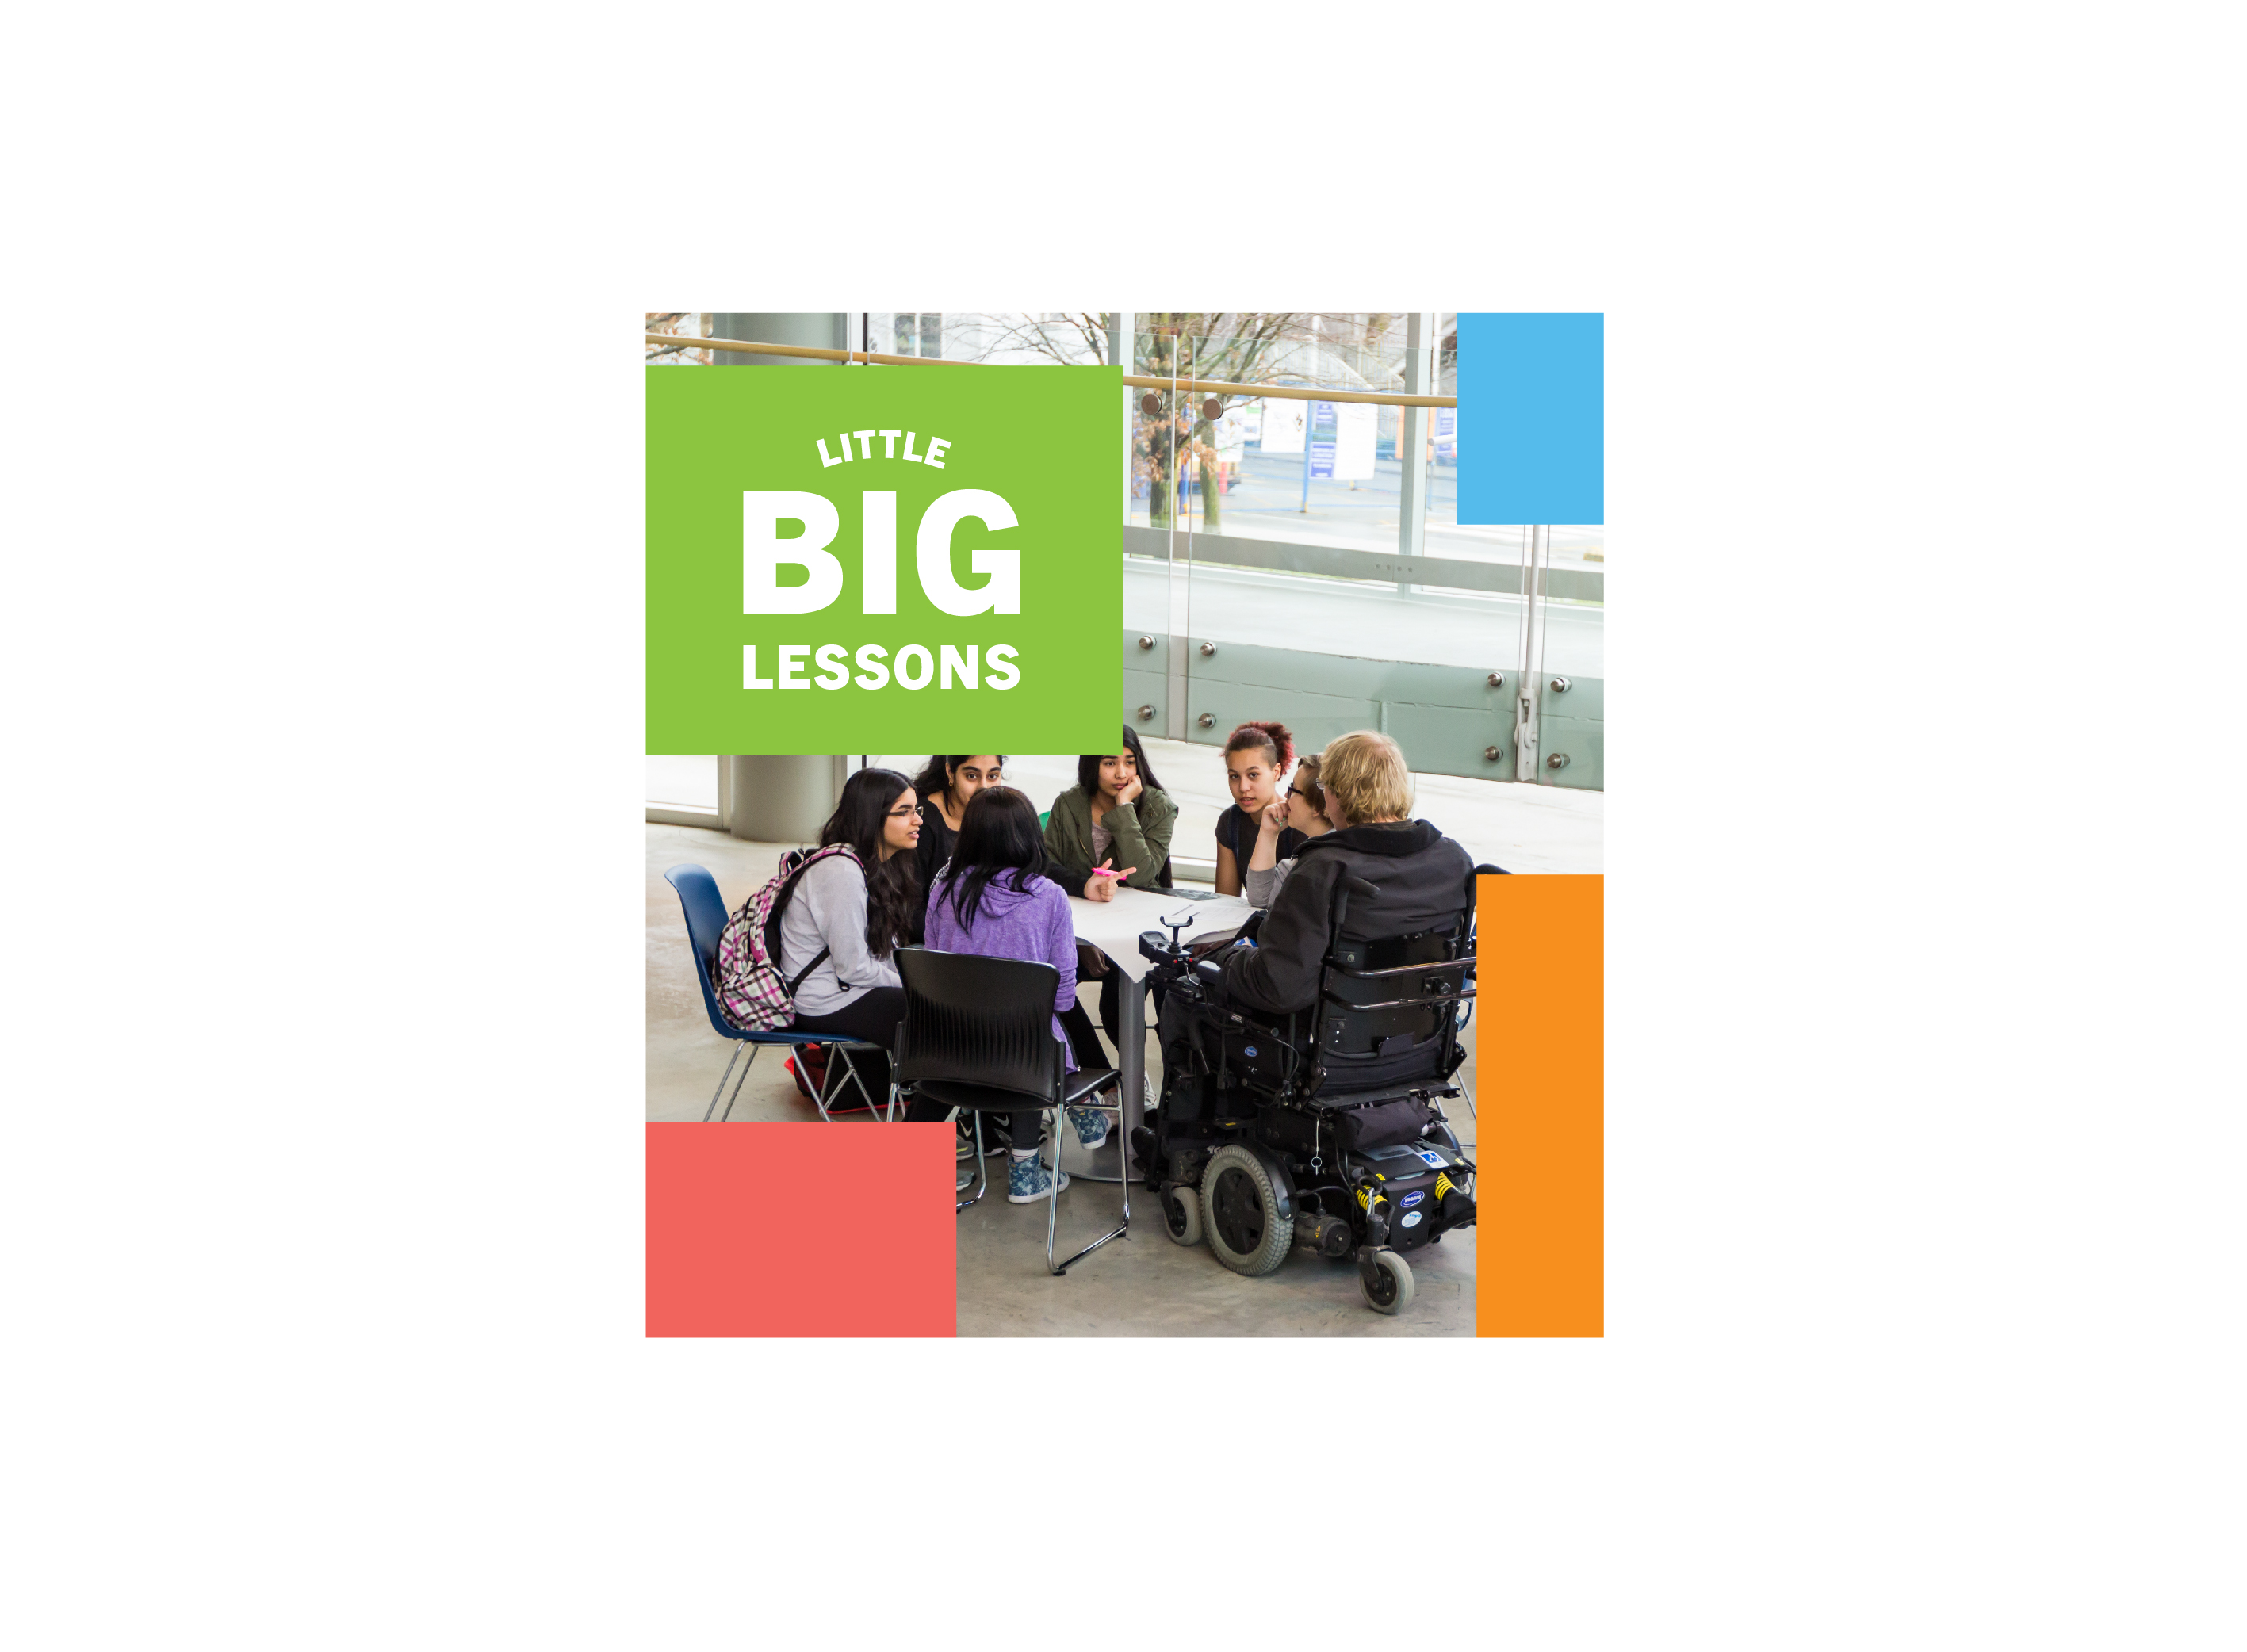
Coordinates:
[1025,1125]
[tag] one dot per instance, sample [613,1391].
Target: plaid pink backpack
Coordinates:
[755,996]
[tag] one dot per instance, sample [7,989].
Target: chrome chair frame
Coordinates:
[1060,1090]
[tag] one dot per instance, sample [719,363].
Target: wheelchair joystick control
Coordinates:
[1176,926]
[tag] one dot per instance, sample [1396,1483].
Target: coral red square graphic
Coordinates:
[800,1230]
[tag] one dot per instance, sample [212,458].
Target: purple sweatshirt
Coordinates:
[1034,924]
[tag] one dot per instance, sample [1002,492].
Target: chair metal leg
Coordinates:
[737,1083]
[858,1079]
[738,1047]
[983,1174]
[826,1080]
[1061,1117]
[1053,1191]
[832,1088]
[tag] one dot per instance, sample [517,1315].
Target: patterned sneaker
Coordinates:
[1028,1180]
[1091,1126]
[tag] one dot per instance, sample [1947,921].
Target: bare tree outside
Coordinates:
[1173,434]
[1285,347]
[686,322]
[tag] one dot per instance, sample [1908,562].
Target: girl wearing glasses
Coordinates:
[1300,815]
[844,919]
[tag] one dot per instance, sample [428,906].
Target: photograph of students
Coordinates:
[944,785]
[853,916]
[995,900]
[1299,813]
[1256,760]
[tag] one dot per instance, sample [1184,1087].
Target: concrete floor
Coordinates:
[1142,1286]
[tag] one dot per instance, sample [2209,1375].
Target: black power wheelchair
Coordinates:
[1324,1128]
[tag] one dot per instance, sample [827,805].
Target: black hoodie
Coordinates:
[1423,879]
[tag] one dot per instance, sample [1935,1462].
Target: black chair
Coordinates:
[978,1035]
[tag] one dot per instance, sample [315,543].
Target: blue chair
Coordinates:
[706,922]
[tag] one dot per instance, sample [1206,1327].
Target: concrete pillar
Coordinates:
[782,800]
[817,330]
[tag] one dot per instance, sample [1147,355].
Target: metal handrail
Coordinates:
[1290,393]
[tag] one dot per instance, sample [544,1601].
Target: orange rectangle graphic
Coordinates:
[1540,1149]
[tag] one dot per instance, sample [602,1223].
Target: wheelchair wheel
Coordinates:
[1182,1216]
[1390,1288]
[1238,1205]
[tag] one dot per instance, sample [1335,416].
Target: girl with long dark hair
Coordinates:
[853,911]
[945,788]
[1117,820]
[994,900]
[1113,827]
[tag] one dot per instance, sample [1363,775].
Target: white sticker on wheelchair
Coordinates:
[1436,1159]
[1413,1220]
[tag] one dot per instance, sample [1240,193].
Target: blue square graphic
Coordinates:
[1533,412]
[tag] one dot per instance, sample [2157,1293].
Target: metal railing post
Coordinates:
[1412,438]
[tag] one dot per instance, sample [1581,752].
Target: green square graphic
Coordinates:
[967,490]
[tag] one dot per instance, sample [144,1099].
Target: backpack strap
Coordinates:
[804,974]
[788,894]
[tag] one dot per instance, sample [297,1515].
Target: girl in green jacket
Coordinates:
[1113,827]
[1118,818]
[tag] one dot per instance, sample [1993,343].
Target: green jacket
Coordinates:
[1142,830]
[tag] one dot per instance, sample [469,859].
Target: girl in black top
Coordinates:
[944,787]
[1256,758]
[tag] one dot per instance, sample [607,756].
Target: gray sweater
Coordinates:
[1261,889]
[829,909]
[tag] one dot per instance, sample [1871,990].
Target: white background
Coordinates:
[322,1173]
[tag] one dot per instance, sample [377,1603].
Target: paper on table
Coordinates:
[1115,926]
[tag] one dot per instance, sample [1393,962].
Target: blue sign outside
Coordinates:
[1320,446]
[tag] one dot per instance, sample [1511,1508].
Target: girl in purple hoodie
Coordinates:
[994,900]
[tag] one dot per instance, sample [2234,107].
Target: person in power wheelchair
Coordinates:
[1306,1065]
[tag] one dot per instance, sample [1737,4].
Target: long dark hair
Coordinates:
[998,833]
[1088,769]
[893,885]
[1088,776]
[936,779]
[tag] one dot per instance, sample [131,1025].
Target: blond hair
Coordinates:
[1364,778]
